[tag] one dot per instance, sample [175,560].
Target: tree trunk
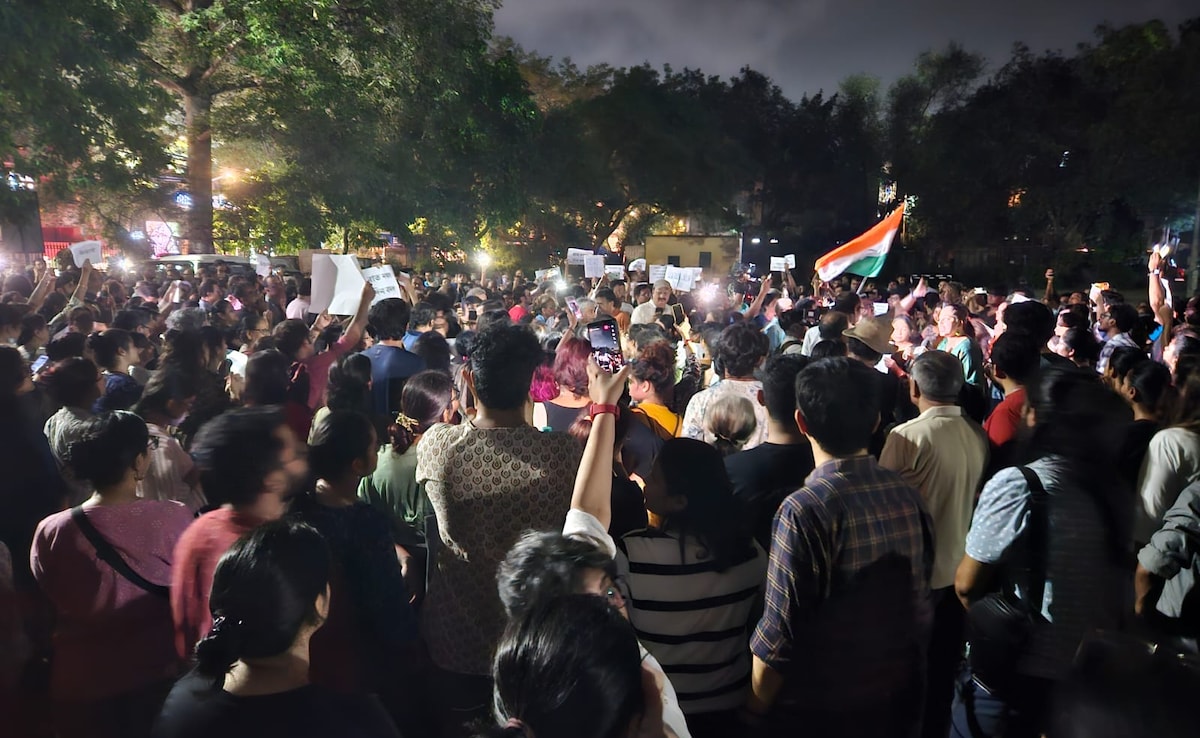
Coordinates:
[199,172]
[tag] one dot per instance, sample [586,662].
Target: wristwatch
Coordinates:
[595,409]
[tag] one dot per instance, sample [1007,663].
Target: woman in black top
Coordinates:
[370,642]
[270,594]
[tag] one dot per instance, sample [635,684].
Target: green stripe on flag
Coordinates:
[869,266]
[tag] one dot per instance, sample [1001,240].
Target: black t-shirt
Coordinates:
[762,479]
[1133,452]
[195,709]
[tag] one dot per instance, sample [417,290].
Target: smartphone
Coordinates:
[37,365]
[472,315]
[677,311]
[606,345]
[573,307]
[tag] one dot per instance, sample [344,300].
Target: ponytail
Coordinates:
[217,652]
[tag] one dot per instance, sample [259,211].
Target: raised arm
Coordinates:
[1160,301]
[910,300]
[756,306]
[354,332]
[593,482]
[1049,297]
[41,291]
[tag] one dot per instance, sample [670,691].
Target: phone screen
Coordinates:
[573,306]
[606,345]
[472,315]
[677,311]
[37,365]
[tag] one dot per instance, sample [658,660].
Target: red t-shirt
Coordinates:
[196,557]
[1004,422]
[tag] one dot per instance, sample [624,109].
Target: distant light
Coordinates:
[756,240]
[484,259]
[774,240]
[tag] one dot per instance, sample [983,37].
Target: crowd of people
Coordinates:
[839,509]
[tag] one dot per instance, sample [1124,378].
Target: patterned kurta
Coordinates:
[487,486]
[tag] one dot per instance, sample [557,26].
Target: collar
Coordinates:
[842,467]
[943,411]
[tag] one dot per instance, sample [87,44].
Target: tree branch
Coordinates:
[165,77]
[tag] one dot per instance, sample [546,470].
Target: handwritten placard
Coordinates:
[575,257]
[778,264]
[657,272]
[84,251]
[614,271]
[262,265]
[593,266]
[383,279]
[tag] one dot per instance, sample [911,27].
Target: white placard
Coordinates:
[86,251]
[614,271]
[778,264]
[791,261]
[657,272]
[262,265]
[637,265]
[673,275]
[687,279]
[336,284]
[880,308]
[575,257]
[383,279]
[547,275]
[593,266]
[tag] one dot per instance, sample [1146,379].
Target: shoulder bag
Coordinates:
[1000,625]
[109,555]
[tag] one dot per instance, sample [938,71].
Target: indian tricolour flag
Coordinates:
[864,255]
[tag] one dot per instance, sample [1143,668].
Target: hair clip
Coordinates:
[409,424]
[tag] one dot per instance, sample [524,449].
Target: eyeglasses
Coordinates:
[152,444]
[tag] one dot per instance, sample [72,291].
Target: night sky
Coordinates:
[807,45]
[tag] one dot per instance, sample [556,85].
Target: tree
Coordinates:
[75,113]
[306,71]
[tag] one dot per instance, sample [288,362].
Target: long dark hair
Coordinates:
[264,591]
[696,470]
[349,386]
[425,398]
[1081,420]
[338,440]
[570,667]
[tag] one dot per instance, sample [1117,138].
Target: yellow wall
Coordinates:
[725,251]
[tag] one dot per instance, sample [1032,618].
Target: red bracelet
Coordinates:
[595,409]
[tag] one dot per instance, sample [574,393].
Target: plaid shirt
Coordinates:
[847,604]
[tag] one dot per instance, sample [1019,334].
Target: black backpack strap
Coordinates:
[1039,537]
[109,555]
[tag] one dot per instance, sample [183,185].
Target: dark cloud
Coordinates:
[806,45]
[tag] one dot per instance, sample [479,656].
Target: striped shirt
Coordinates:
[847,610]
[691,617]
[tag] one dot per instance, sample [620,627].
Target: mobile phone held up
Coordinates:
[677,312]
[606,345]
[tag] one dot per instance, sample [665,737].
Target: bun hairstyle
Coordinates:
[425,398]
[570,667]
[71,382]
[341,438]
[105,346]
[108,448]
[732,422]
[264,591]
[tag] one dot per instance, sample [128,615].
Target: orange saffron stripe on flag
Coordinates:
[866,240]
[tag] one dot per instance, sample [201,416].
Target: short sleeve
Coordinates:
[1000,517]
[693,426]
[584,526]
[1174,547]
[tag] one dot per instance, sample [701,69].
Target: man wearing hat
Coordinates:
[867,342]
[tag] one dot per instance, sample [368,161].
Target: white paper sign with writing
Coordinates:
[778,264]
[86,251]
[383,279]
[593,266]
[674,275]
[657,272]
[548,275]
[575,257]
[614,271]
[336,284]
[791,261]
[637,265]
[262,265]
